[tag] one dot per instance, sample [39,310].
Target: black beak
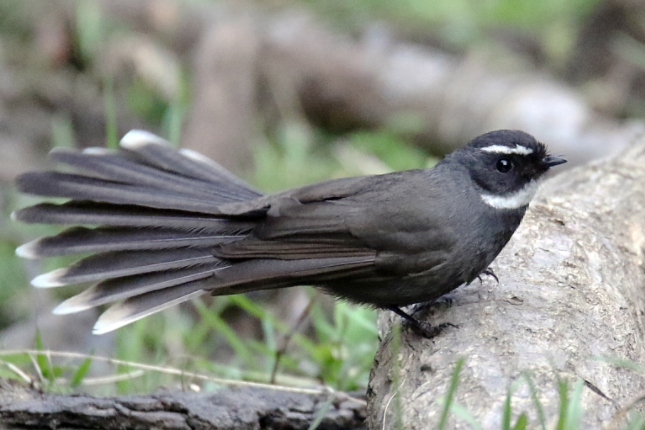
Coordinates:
[552,160]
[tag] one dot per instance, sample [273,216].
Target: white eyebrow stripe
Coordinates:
[515,200]
[501,149]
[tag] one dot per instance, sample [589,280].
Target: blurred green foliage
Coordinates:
[463,23]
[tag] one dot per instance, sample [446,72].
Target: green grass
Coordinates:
[38,367]
[570,411]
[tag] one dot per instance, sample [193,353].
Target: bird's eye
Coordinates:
[504,165]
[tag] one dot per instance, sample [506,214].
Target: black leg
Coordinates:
[421,328]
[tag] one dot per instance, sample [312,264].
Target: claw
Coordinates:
[488,272]
[428,330]
[422,328]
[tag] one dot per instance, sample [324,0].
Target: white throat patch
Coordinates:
[501,149]
[514,200]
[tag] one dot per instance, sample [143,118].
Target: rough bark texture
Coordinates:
[230,409]
[572,288]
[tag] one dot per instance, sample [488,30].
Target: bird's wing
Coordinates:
[294,230]
[322,191]
[393,218]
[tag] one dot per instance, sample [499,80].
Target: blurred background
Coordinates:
[284,93]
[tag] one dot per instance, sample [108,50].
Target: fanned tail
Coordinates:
[163,226]
[149,215]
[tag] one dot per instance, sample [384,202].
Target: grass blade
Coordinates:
[80,373]
[42,361]
[636,422]
[536,401]
[574,408]
[217,323]
[465,415]
[622,362]
[563,388]
[522,422]
[506,413]
[452,389]
[321,413]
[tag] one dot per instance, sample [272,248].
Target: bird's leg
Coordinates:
[421,328]
[488,272]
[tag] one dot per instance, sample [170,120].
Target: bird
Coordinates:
[162,226]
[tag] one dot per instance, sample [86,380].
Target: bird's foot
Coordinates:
[488,272]
[429,331]
[422,328]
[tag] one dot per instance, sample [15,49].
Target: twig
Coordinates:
[288,336]
[179,372]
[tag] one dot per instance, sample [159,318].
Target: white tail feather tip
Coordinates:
[196,156]
[49,280]
[28,250]
[68,307]
[120,314]
[95,150]
[137,138]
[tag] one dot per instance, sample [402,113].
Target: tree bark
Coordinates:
[228,409]
[571,290]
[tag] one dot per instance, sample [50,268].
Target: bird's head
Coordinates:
[506,165]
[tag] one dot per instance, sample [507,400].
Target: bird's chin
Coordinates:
[513,200]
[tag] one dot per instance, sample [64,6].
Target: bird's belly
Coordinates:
[400,291]
[423,286]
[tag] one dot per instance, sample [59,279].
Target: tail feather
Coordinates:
[217,173]
[138,307]
[108,265]
[118,167]
[113,290]
[91,213]
[79,187]
[154,217]
[157,224]
[157,152]
[146,172]
[79,240]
